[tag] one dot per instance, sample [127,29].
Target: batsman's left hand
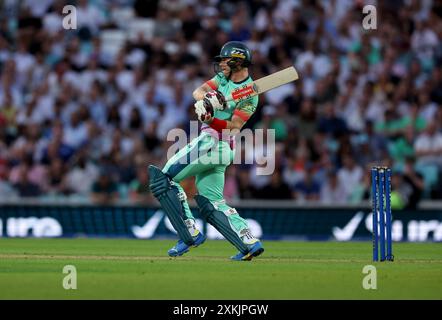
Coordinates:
[216,100]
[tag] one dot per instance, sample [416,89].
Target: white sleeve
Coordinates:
[421,144]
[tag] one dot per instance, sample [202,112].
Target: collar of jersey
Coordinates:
[248,77]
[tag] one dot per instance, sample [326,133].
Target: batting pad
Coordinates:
[220,221]
[168,197]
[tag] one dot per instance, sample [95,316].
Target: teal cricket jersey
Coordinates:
[244,109]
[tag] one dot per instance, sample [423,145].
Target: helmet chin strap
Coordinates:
[234,66]
[230,74]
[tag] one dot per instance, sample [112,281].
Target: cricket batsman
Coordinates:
[214,150]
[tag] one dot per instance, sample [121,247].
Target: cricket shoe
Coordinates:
[254,250]
[181,248]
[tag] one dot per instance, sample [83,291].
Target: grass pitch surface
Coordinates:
[141,269]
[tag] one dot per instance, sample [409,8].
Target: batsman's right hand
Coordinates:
[201,111]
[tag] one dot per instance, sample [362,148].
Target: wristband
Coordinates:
[218,124]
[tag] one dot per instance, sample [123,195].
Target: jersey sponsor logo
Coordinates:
[243,93]
[247,108]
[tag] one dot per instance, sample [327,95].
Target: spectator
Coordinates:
[57,184]
[306,120]
[90,17]
[239,31]
[331,124]
[82,176]
[378,143]
[245,189]
[350,176]
[308,189]
[24,187]
[270,121]
[164,25]
[75,134]
[399,192]
[104,189]
[402,147]
[363,192]
[139,191]
[277,189]
[190,22]
[413,184]
[428,145]
[331,191]
[392,127]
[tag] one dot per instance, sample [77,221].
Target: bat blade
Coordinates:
[264,84]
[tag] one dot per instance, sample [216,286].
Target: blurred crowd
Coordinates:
[84,111]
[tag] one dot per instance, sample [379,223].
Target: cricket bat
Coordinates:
[264,84]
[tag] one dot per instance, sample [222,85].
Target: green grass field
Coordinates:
[137,269]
